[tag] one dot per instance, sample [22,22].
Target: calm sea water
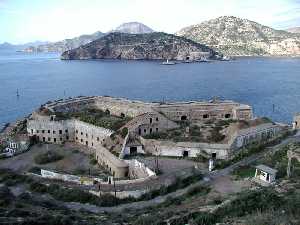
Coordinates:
[260,82]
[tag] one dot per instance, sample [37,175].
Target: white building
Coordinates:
[265,174]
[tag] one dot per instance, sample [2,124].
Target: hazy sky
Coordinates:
[52,20]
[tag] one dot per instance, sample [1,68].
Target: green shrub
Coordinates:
[48,157]
[124,132]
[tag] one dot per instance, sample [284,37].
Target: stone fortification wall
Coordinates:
[117,167]
[189,149]
[205,110]
[122,106]
[177,111]
[71,104]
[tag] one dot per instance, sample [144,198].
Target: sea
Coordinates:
[270,85]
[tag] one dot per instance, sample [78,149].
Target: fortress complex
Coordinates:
[176,111]
[146,119]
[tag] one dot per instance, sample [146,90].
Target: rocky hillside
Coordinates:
[133,28]
[235,36]
[295,30]
[141,46]
[66,44]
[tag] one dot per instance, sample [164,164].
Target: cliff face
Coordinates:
[66,44]
[234,36]
[141,46]
[133,28]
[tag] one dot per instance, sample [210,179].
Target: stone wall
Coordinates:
[201,111]
[296,121]
[148,123]
[188,149]
[82,133]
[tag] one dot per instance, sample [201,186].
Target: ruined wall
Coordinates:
[179,149]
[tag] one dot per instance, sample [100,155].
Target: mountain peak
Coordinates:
[133,28]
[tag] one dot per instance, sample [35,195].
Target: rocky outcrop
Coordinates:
[66,44]
[133,28]
[241,37]
[141,46]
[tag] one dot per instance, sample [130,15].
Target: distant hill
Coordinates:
[235,36]
[148,46]
[9,46]
[133,28]
[294,30]
[66,44]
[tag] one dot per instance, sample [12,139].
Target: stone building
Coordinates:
[149,123]
[202,111]
[296,121]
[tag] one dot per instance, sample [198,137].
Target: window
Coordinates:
[150,120]
[81,140]
[156,119]
[60,131]
[150,130]
[49,139]
[60,139]
[97,138]
[54,132]
[183,118]
[66,131]
[156,129]
[86,135]
[48,131]
[76,138]
[37,131]
[92,144]
[205,116]
[86,143]
[54,139]
[76,131]
[81,133]
[32,131]
[44,139]
[67,137]
[145,131]
[43,131]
